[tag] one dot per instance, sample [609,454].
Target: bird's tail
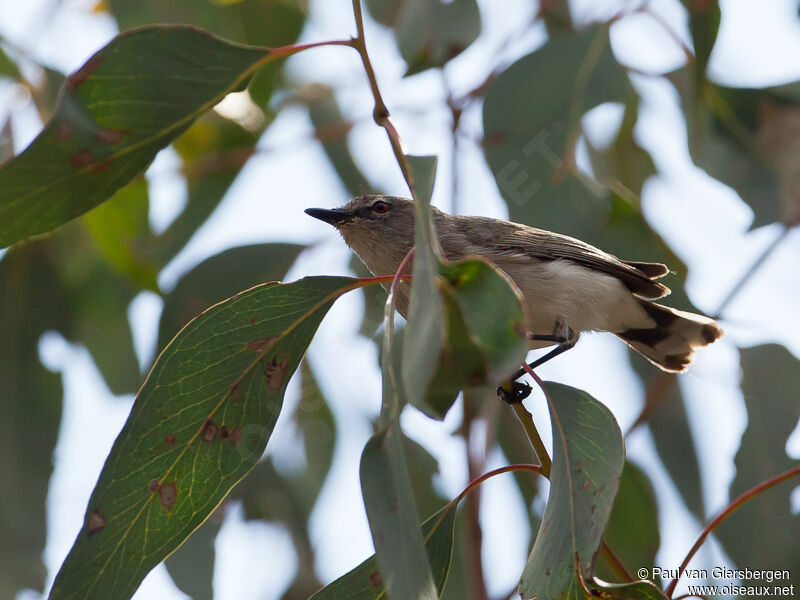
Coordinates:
[670,344]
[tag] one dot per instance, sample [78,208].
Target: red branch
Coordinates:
[748,495]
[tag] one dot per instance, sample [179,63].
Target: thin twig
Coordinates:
[526,420]
[530,427]
[380,112]
[472,504]
[388,338]
[713,523]
[608,554]
[507,469]
[784,233]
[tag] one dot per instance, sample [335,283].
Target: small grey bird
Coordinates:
[569,285]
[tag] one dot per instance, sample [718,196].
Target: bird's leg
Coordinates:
[513,391]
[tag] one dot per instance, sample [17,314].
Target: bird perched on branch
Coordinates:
[569,285]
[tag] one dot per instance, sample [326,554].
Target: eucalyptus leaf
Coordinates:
[588,457]
[200,422]
[114,114]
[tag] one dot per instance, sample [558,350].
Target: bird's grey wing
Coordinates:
[522,240]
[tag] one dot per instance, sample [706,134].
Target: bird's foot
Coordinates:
[513,392]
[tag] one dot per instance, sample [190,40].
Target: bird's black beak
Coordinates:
[334,216]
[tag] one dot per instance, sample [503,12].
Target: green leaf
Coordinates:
[530,130]
[429,32]
[485,329]
[115,113]
[633,525]
[6,141]
[672,435]
[704,20]
[30,401]
[374,300]
[425,332]
[214,150]
[624,166]
[763,533]
[289,498]
[365,581]
[8,68]
[200,422]
[98,301]
[271,23]
[121,230]
[192,565]
[219,277]
[588,456]
[266,494]
[331,129]
[744,137]
[393,517]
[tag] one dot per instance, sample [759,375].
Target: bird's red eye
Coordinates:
[380,207]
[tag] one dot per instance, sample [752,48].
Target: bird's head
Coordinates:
[373,225]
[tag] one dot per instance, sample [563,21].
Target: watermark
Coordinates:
[772,583]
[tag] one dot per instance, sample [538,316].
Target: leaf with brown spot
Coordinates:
[191,384]
[581,494]
[261,345]
[112,118]
[275,373]
[96,522]
[168,493]
[220,277]
[210,432]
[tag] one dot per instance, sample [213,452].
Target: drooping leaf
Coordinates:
[121,231]
[114,114]
[429,32]
[214,151]
[747,139]
[422,469]
[289,498]
[624,166]
[30,398]
[672,435]
[530,130]
[588,458]
[393,516]
[466,323]
[763,533]
[632,529]
[425,330]
[385,482]
[200,422]
[219,277]
[192,565]
[331,129]
[8,68]
[704,20]
[365,582]
[98,301]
